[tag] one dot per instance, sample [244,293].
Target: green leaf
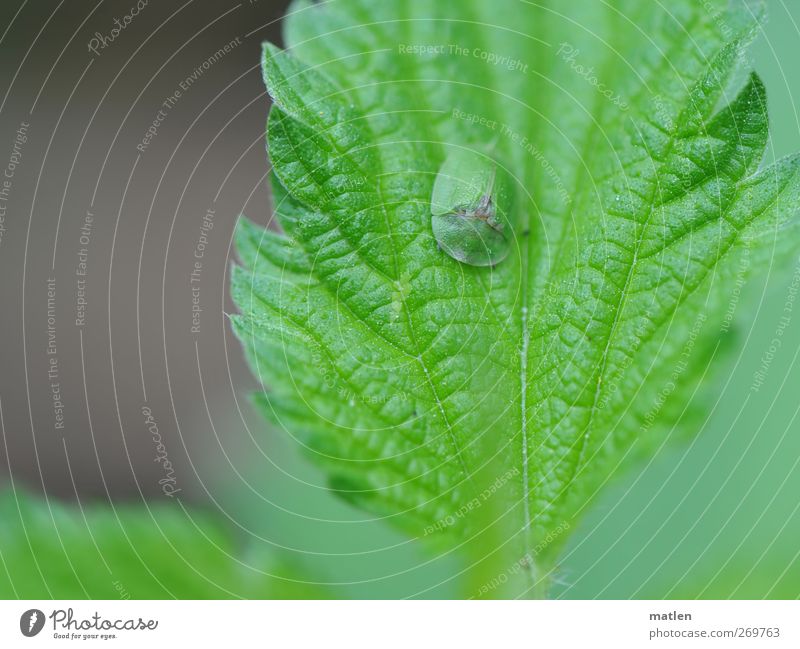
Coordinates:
[431,390]
[49,550]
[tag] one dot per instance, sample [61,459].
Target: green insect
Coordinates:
[470,207]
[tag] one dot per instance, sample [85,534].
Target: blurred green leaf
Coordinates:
[49,550]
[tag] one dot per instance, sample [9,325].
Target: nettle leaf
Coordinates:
[49,550]
[431,390]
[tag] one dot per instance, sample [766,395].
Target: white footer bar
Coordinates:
[405,624]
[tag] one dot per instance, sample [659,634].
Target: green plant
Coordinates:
[484,407]
[49,550]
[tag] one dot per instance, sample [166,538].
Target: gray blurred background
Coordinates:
[89,152]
